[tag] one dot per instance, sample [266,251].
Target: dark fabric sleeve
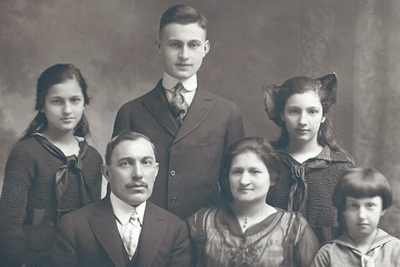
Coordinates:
[180,252]
[92,171]
[235,130]
[306,244]
[121,121]
[18,178]
[64,249]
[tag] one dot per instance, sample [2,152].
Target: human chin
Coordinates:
[182,74]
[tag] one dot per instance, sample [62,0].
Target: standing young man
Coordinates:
[191,127]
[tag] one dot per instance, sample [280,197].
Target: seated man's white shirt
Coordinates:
[123,212]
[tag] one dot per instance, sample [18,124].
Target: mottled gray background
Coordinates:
[253,42]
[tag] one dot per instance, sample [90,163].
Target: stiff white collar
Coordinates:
[123,211]
[169,82]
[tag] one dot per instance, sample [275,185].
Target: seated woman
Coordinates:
[245,230]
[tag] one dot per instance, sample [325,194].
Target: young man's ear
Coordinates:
[106,172]
[206,47]
[158,45]
[323,119]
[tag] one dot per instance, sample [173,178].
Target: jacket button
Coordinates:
[174,200]
[172,173]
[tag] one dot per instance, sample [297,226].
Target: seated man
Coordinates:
[124,228]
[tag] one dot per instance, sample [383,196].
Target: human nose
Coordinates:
[361,213]
[67,108]
[303,119]
[184,53]
[244,180]
[137,171]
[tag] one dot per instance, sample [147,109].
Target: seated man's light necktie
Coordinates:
[131,232]
[179,106]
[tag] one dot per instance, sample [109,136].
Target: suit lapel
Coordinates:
[105,229]
[160,109]
[201,106]
[151,235]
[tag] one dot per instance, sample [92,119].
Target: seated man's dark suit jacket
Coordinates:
[89,237]
[190,156]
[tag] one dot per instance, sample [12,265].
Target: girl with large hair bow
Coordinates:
[312,159]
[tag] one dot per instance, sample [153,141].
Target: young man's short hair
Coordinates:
[182,14]
[362,183]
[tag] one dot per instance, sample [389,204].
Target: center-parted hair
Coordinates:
[56,74]
[362,183]
[123,136]
[182,14]
[256,145]
[326,88]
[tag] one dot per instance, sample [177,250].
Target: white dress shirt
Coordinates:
[189,84]
[123,212]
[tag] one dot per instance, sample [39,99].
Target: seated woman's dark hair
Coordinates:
[258,146]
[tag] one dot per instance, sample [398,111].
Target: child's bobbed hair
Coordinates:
[362,183]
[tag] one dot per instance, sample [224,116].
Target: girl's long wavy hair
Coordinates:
[56,74]
[325,87]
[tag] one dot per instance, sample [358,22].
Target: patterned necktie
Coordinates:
[131,232]
[178,104]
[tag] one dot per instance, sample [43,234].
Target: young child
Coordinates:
[190,127]
[51,171]
[361,196]
[312,159]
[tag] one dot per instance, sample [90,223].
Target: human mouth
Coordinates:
[302,131]
[136,186]
[183,65]
[245,189]
[67,119]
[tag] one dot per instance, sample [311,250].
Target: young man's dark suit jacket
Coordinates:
[189,156]
[89,237]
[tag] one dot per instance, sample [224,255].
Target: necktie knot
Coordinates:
[134,219]
[178,104]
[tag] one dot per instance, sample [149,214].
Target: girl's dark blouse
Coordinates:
[28,205]
[321,174]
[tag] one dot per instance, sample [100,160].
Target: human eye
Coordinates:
[255,171]
[55,101]
[236,171]
[313,111]
[147,162]
[352,206]
[194,44]
[174,44]
[293,111]
[124,163]
[76,100]
[370,205]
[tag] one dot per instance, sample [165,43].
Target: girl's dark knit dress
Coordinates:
[308,187]
[29,209]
